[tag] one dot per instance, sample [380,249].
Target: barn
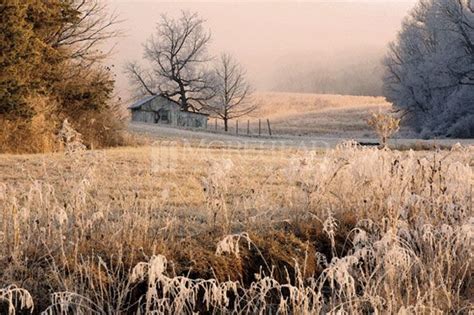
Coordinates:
[157,109]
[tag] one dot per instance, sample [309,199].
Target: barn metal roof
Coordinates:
[142,101]
[197,113]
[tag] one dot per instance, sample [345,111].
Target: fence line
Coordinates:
[253,128]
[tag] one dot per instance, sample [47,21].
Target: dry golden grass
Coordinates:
[318,114]
[177,229]
[277,105]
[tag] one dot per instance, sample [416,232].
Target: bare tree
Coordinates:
[89,24]
[178,57]
[233,93]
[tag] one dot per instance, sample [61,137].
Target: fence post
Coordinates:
[259,127]
[248,127]
[269,129]
[237,127]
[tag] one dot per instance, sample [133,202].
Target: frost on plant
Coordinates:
[356,230]
[16,299]
[230,244]
[384,125]
[71,139]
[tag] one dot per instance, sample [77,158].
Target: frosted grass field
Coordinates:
[216,230]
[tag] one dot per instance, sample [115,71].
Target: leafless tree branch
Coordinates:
[89,27]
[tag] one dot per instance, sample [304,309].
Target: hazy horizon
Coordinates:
[270,37]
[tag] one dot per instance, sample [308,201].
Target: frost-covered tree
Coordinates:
[430,68]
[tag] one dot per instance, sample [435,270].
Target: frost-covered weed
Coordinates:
[14,298]
[71,139]
[230,244]
[215,186]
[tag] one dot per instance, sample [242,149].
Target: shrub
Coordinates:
[384,125]
[51,71]
[463,128]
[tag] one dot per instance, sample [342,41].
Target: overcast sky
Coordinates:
[264,35]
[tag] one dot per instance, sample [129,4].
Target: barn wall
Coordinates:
[146,113]
[143,116]
[192,120]
[163,104]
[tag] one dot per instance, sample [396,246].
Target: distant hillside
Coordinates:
[318,114]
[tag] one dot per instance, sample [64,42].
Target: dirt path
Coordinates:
[209,138]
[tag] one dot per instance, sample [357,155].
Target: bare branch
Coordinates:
[88,28]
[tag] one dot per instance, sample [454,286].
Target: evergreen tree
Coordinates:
[50,68]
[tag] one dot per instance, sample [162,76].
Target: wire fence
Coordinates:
[259,127]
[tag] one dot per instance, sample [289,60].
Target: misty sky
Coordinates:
[266,36]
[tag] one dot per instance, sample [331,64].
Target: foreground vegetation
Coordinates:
[176,229]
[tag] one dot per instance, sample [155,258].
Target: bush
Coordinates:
[384,125]
[51,71]
[37,134]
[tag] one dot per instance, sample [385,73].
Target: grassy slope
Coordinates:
[318,114]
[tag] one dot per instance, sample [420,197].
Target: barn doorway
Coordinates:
[156,117]
[164,116]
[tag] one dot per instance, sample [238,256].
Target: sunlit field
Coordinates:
[318,114]
[180,229]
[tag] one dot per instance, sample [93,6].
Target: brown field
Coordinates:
[318,114]
[176,229]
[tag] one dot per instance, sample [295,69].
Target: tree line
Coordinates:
[180,68]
